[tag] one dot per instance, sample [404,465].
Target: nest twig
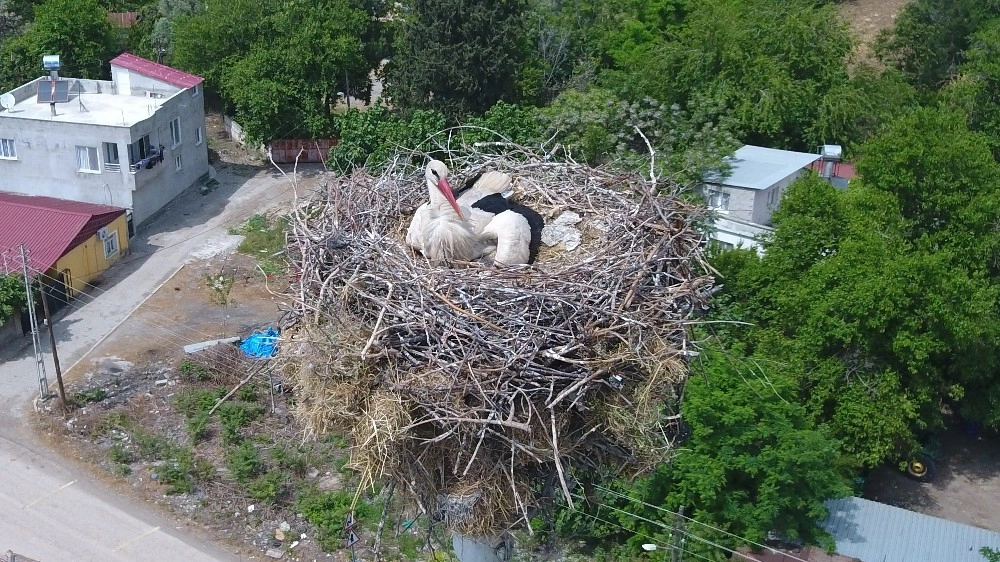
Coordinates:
[471,384]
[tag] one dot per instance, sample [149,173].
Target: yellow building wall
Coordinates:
[84,263]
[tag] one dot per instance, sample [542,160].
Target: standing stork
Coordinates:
[481,222]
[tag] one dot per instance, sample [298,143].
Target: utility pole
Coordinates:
[43,383]
[55,355]
[677,535]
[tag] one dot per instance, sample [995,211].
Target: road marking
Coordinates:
[128,542]
[64,486]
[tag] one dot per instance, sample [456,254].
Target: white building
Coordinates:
[744,200]
[135,142]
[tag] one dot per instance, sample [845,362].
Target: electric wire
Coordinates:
[692,520]
[641,534]
[669,527]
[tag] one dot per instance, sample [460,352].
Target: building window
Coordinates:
[177,162]
[197,134]
[718,200]
[7,150]
[139,150]
[111,161]
[111,244]
[175,131]
[86,159]
[196,90]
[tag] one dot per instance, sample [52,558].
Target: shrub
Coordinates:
[193,371]
[234,416]
[91,395]
[120,454]
[197,427]
[244,462]
[150,446]
[193,402]
[328,511]
[268,487]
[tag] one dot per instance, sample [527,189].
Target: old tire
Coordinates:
[921,468]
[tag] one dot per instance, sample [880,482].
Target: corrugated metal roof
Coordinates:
[48,227]
[756,167]
[155,70]
[876,532]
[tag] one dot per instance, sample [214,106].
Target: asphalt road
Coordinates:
[50,508]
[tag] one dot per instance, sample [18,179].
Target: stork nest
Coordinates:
[487,391]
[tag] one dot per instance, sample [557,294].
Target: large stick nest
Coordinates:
[483,390]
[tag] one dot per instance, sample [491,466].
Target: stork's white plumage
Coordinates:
[480,223]
[439,229]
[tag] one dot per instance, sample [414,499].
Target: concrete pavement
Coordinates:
[54,511]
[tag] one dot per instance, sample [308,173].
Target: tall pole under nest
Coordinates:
[470,386]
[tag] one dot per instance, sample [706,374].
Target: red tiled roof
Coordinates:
[123,19]
[47,227]
[840,169]
[158,71]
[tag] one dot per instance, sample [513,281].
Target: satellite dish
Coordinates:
[7,101]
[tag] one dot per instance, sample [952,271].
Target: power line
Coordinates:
[692,520]
[669,527]
[641,534]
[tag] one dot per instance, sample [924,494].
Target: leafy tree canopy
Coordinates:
[11,296]
[457,56]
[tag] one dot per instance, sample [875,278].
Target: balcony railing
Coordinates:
[155,157]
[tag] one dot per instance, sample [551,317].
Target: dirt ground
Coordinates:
[967,486]
[867,18]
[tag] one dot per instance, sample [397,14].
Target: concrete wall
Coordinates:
[158,186]
[46,161]
[87,261]
[46,154]
[741,201]
[767,200]
[10,330]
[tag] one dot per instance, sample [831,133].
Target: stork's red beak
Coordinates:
[445,189]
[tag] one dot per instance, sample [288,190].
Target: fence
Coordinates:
[285,151]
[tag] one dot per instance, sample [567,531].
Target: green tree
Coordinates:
[78,31]
[458,56]
[930,37]
[12,296]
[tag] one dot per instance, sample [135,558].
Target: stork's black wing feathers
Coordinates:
[494,203]
[468,184]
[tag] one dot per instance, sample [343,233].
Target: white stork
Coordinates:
[480,222]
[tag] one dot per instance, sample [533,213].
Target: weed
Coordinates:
[409,544]
[193,402]
[268,487]
[248,392]
[183,469]
[293,460]
[150,446]
[115,421]
[122,470]
[338,441]
[91,395]
[264,239]
[197,427]
[244,462]
[235,415]
[328,511]
[120,454]
[219,286]
[193,371]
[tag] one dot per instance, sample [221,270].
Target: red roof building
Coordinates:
[156,71]
[48,228]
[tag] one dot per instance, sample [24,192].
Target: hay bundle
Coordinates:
[472,385]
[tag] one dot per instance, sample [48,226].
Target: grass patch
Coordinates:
[264,239]
[328,511]
[194,402]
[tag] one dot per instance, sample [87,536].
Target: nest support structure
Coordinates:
[485,391]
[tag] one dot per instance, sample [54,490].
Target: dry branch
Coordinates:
[472,384]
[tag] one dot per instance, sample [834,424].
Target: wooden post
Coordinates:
[55,354]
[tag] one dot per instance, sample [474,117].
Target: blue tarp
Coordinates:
[261,345]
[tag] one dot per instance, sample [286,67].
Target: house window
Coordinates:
[197,134]
[175,131]
[718,200]
[772,196]
[111,244]
[139,150]
[7,150]
[111,161]
[86,159]
[177,162]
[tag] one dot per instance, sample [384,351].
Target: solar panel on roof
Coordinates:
[45,92]
[62,91]
[53,91]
